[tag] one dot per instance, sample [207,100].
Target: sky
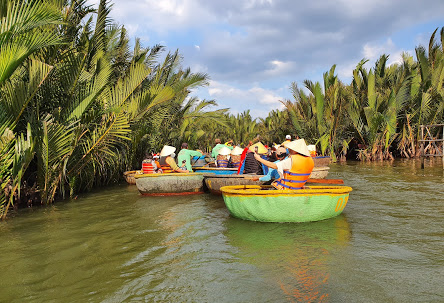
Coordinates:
[252,50]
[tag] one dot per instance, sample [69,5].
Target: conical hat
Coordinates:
[167,150]
[260,146]
[224,151]
[311,147]
[237,151]
[298,146]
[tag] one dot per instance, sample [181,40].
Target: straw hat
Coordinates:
[167,150]
[298,146]
[260,148]
[237,151]
[224,151]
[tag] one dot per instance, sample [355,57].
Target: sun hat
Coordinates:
[167,150]
[237,151]
[224,151]
[260,148]
[288,137]
[155,156]
[298,146]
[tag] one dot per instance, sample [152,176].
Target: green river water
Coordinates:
[115,245]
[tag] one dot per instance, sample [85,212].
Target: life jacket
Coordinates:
[147,167]
[297,176]
[166,168]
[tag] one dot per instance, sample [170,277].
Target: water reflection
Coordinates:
[296,257]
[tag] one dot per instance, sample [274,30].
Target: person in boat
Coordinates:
[287,140]
[167,162]
[219,145]
[293,171]
[236,155]
[156,161]
[273,174]
[250,164]
[186,154]
[223,157]
[149,166]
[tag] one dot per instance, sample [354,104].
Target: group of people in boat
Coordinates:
[289,164]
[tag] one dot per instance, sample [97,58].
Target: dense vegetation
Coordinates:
[78,106]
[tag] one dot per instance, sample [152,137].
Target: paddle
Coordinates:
[326,181]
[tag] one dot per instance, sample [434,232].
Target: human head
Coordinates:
[184,145]
[281,153]
[217,141]
[288,137]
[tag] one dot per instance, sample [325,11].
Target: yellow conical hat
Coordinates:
[260,148]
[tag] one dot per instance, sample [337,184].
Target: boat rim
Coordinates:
[259,190]
[166,174]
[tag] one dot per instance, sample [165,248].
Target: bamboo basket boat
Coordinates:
[129,176]
[262,203]
[170,184]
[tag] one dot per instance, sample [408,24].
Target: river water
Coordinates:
[114,245]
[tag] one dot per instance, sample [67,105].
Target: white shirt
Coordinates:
[283,165]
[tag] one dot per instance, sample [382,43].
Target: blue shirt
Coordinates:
[272,174]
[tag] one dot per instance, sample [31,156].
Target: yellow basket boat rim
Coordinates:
[256,190]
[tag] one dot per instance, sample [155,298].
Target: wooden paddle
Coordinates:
[326,181]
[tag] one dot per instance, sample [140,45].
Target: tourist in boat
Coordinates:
[219,145]
[250,165]
[223,157]
[167,162]
[287,140]
[149,166]
[186,154]
[156,161]
[295,170]
[281,154]
[236,155]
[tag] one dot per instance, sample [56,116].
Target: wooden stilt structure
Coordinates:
[431,135]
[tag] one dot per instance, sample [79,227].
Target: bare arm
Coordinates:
[265,162]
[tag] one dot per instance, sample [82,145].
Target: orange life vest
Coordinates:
[297,176]
[147,167]
[166,168]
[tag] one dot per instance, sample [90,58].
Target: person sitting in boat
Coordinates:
[156,161]
[219,145]
[287,140]
[186,154]
[236,157]
[149,166]
[223,157]
[167,162]
[295,170]
[281,154]
[250,164]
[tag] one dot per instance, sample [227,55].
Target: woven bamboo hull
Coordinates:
[170,184]
[260,203]
[129,176]
[215,171]
[319,172]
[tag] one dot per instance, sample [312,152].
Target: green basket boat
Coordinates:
[265,204]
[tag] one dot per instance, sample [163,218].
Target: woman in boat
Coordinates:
[295,170]
[167,162]
[223,157]
[236,157]
[250,164]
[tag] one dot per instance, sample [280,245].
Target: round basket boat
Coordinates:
[170,184]
[129,176]
[320,161]
[319,172]
[265,204]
